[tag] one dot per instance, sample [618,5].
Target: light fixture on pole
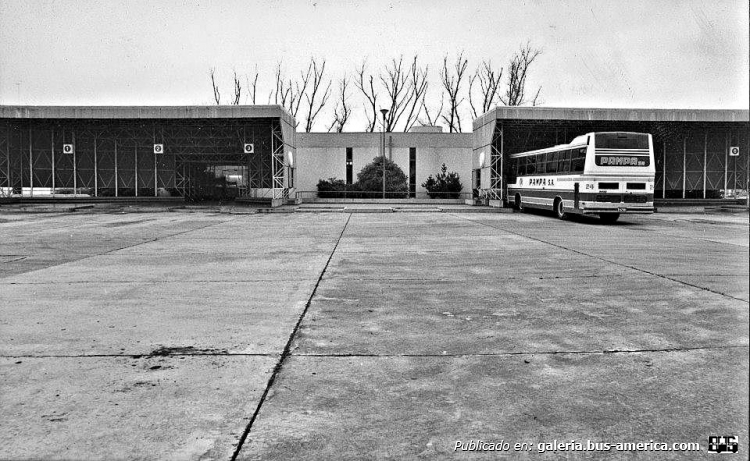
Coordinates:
[382,146]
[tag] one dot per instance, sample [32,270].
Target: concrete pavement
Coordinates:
[200,335]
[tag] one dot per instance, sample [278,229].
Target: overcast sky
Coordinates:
[598,53]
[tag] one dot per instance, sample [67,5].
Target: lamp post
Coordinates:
[382,146]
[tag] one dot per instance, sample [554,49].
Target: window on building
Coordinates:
[349,165]
[412,172]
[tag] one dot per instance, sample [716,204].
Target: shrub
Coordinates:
[337,188]
[369,183]
[444,184]
[370,179]
[329,188]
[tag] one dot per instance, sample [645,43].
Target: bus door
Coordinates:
[576,189]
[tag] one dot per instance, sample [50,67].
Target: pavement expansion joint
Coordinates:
[149,281]
[510,354]
[510,277]
[288,347]
[139,356]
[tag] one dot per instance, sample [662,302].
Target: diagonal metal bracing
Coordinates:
[496,164]
[5,183]
[277,162]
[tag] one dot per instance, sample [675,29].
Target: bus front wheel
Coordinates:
[609,218]
[559,208]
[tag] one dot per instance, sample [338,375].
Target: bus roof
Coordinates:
[578,141]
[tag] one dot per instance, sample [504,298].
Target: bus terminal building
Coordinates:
[254,152]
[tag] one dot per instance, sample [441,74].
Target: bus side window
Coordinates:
[579,160]
[552,162]
[541,163]
[531,165]
[564,161]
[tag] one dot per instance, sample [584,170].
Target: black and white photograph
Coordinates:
[374,230]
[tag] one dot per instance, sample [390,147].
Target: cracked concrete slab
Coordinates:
[50,241]
[120,408]
[614,312]
[135,318]
[464,324]
[418,407]
[188,267]
[490,264]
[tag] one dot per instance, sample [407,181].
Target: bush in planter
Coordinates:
[336,188]
[330,188]
[444,184]
[370,180]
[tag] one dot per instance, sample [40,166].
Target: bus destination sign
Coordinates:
[622,160]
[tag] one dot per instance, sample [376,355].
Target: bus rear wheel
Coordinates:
[517,203]
[559,208]
[609,218]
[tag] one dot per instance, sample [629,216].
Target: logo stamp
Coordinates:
[723,444]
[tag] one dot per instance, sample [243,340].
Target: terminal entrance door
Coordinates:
[211,177]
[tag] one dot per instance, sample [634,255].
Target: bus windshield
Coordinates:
[621,141]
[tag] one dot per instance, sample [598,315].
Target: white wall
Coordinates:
[323,155]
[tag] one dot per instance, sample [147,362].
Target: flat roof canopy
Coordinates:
[144,112]
[631,115]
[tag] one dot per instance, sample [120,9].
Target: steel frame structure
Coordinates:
[691,159]
[116,157]
[495,191]
[278,189]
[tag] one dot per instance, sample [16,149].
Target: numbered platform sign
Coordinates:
[158,148]
[249,148]
[734,151]
[68,149]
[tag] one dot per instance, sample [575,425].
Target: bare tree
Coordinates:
[300,89]
[403,89]
[253,85]
[515,92]
[342,111]
[217,95]
[396,83]
[399,88]
[451,80]
[419,90]
[314,107]
[489,86]
[288,93]
[309,89]
[281,94]
[367,86]
[433,119]
[237,90]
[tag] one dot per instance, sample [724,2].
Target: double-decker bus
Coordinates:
[604,173]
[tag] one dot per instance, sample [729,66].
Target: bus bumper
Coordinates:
[622,208]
